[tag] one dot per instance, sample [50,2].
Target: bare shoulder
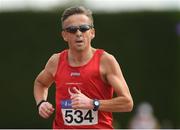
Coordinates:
[109,64]
[51,65]
[54,58]
[108,59]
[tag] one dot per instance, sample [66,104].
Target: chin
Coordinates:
[80,48]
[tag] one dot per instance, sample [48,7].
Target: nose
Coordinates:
[78,33]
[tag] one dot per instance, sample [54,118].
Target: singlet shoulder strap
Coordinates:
[99,51]
[62,56]
[97,56]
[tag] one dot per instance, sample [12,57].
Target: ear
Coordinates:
[64,35]
[92,33]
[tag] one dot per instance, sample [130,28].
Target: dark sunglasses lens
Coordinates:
[72,29]
[84,28]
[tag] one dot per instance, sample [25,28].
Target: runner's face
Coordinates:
[78,32]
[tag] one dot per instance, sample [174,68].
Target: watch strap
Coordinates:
[40,103]
[96,106]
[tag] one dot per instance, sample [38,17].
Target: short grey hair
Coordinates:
[76,10]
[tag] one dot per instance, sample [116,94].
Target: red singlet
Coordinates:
[87,79]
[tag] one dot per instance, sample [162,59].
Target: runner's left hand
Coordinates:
[81,101]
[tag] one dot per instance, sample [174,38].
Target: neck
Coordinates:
[77,58]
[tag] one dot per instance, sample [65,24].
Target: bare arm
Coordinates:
[113,75]
[42,83]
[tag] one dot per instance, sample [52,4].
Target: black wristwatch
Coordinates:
[96,104]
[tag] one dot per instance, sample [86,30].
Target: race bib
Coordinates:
[78,116]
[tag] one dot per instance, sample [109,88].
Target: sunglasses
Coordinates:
[82,28]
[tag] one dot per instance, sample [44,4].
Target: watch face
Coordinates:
[96,103]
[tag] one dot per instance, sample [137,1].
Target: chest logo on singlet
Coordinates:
[78,116]
[75,74]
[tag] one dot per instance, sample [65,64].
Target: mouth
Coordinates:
[79,41]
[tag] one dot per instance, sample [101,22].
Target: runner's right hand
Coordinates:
[46,109]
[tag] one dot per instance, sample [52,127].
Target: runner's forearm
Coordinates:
[118,104]
[40,92]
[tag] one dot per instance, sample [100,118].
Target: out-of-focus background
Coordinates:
[143,35]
